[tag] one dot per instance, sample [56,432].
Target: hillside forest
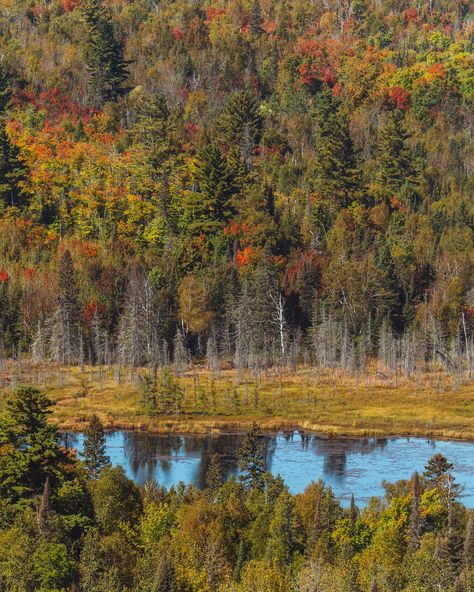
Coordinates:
[257,184]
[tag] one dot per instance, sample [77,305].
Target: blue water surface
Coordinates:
[348,465]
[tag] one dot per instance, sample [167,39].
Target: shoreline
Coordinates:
[216,428]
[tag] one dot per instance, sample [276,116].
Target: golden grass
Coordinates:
[329,402]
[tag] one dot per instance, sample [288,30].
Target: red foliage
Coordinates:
[89,249]
[192,128]
[70,5]
[411,14]
[400,97]
[244,256]
[337,89]
[4,275]
[232,229]
[329,76]
[309,73]
[91,310]
[306,261]
[177,32]
[213,13]
[29,273]
[437,70]
[270,26]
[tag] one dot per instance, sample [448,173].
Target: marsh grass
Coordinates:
[329,401]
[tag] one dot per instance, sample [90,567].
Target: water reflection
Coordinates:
[349,465]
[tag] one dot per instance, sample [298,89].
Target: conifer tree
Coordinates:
[337,175]
[31,451]
[241,124]
[210,206]
[469,542]
[251,458]
[45,509]
[395,168]
[415,518]
[11,168]
[215,475]
[66,323]
[256,20]
[103,55]
[94,454]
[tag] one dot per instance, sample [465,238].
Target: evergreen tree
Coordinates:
[31,451]
[66,328]
[12,169]
[283,530]
[45,509]
[415,517]
[469,542]
[437,467]
[215,475]
[103,55]
[337,175]
[241,124]
[353,511]
[256,21]
[251,458]
[395,168]
[210,206]
[165,578]
[94,455]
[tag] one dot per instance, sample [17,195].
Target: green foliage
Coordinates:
[94,447]
[251,456]
[30,451]
[103,55]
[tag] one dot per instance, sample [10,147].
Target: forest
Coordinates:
[254,185]
[74,523]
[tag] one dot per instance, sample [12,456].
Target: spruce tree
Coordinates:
[215,475]
[241,124]
[256,21]
[251,458]
[66,323]
[415,517]
[94,454]
[210,206]
[337,177]
[103,54]
[30,445]
[12,169]
[396,173]
[45,509]
[469,542]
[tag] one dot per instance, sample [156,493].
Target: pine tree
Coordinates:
[103,55]
[469,542]
[336,172]
[94,455]
[256,21]
[251,458]
[241,124]
[395,168]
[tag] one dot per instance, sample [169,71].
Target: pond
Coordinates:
[348,465]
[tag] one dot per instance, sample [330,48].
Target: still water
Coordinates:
[348,465]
